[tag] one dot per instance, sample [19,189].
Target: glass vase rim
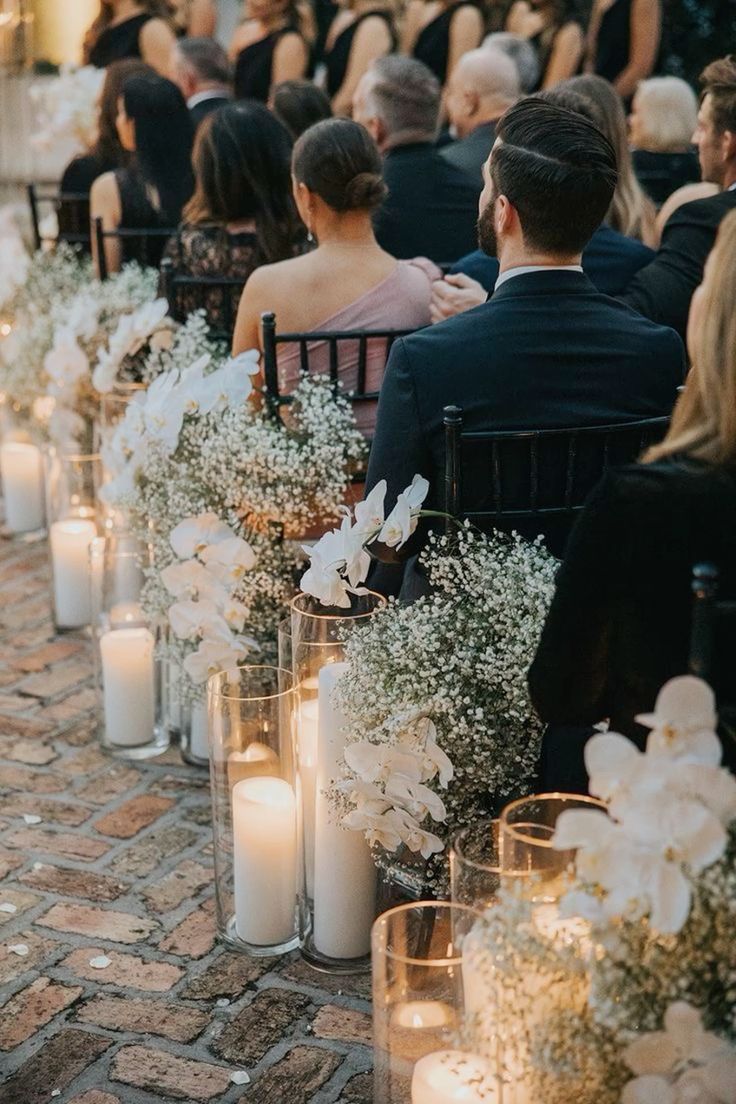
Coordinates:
[213,689]
[381,603]
[475,863]
[74,456]
[413,906]
[517,832]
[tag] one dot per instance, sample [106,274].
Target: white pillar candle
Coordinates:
[452,1077]
[21,467]
[199,744]
[70,541]
[125,615]
[307,730]
[128,686]
[344,872]
[264,860]
[255,761]
[423,1014]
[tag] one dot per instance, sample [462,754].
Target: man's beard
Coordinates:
[487,230]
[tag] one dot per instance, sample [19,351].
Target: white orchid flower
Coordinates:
[415,838]
[192,381]
[235,614]
[194,534]
[230,385]
[365,760]
[415,797]
[377,827]
[229,559]
[403,519]
[322,579]
[212,657]
[191,620]
[163,411]
[190,579]
[82,316]
[369,514]
[440,762]
[683,721]
[66,362]
[357,560]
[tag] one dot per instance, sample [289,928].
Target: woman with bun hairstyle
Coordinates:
[347,282]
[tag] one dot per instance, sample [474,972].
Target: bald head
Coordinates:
[483,84]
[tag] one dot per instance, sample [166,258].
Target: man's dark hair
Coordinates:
[207,58]
[559,172]
[719,82]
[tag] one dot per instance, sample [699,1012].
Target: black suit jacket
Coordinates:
[662,291]
[204,108]
[469,154]
[610,260]
[546,351]
[432,206]
[619,624]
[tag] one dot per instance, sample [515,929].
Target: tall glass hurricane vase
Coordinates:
[254,808]
[338,876]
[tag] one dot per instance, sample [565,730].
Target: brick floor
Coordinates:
[113,988]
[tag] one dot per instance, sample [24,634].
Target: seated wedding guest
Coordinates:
[361,32]
[662,291]
[439,32]
[195,18]
[623,42]
[620,621]
[521,52]
[242,214]
[432,206]
[632,213]
[555,29]
[299,104]
[664,114]
[686,194]
[130,29]
[483,85]
[348,282]
[547,350]
[149,193]
[107,153]
[202,71]
[269,47]
[610,259]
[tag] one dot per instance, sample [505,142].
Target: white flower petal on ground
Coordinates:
[193,535]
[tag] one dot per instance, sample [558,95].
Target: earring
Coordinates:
[310,236]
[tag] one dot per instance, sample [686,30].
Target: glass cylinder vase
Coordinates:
[21,471]
[338,875]
[193,728]
[128,668]
[420,1056]
[113,406]
[254,808]
[72,480]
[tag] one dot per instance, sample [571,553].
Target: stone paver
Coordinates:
[113,986]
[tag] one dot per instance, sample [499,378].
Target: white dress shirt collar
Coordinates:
[522,270]
[208,94]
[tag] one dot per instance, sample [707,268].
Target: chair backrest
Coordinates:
[218,296]
[336,341]
[144,245]
[713,638]
[72,213]
[527,478]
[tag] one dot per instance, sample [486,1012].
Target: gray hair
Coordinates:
[405,95]
[207,58]
[521,52]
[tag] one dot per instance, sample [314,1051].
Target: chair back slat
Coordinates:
[571,469]
[704,588]
[217,296]
[72,214]
[453,422]
[144,245]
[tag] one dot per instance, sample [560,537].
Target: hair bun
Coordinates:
[366,190]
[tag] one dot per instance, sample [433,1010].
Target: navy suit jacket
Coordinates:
[546,351]
[610,260]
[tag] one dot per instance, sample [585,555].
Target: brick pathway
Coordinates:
[113,989]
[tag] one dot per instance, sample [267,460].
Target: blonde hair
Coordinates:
[668,114]
[704,419]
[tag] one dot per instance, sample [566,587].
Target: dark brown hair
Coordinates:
[338,160]
[299,104]
[719,82]
[107,146]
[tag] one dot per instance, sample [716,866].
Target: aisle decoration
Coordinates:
[440,726]
[629,991]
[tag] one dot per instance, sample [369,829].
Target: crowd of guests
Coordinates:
[556,223]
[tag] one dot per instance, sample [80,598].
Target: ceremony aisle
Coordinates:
[113,988]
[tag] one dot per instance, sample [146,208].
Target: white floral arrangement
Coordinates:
[66,108]
[649,988]
[215,483]
[440,727]
[15,260]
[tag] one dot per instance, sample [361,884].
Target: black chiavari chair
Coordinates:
[72,213]
[145,245]
[217,296]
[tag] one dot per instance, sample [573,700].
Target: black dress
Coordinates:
[433,41]
[544,44]
[139,213]
[661,174]
[119,41]
[614,34]
[254,67]
[619,624]
[338,58]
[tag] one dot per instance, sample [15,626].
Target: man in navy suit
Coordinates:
[547,350]
[201,68]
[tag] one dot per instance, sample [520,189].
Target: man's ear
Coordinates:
[505,215]
[728,145]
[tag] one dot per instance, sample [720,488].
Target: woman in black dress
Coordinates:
[361,32]
[555,29]
[623,42]
[439,32]
[149,193]
[619,625]
[242,213]
[130,29]
[270,47]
